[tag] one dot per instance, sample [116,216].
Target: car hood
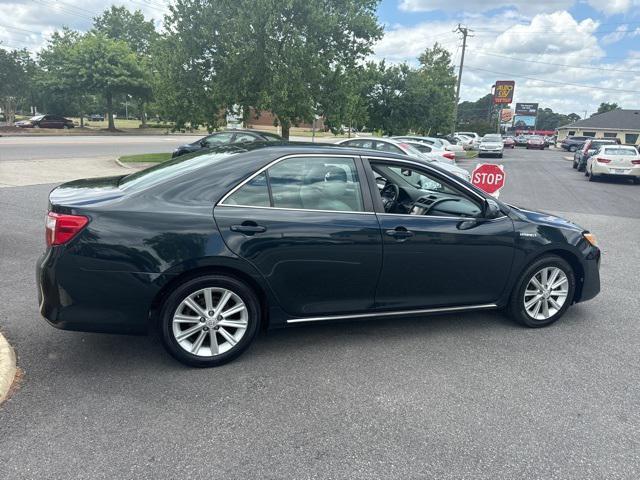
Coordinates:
[459,171]
[547,219]
[86,192]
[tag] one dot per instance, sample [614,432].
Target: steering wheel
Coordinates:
[390,194]
[440,200]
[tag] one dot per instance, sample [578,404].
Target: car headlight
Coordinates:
[591,238]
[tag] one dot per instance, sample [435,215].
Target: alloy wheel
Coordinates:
[210,321]
[546,293]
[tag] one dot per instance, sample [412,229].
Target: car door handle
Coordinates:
[400,233]
[248,228]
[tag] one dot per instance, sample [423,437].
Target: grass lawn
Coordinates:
[146,157]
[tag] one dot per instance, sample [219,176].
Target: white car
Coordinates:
[614,160]
[403,148]
[491,144]
[466,142]
[438,142]
[434,153]
[475,138]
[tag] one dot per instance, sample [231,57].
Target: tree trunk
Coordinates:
[143,116]
[286,126]
[81,120]
[112,125]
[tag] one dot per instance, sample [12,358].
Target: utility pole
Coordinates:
[464,31]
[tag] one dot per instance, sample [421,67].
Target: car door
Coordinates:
[46,122]
[448,257]
[307,225]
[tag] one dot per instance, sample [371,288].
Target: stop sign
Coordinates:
[488,177]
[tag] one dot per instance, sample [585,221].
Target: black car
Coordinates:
[96,117]
[225,138]
[572,144]
[521,140]
[208,249]
[46,121]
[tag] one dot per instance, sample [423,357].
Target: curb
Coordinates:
[7,368]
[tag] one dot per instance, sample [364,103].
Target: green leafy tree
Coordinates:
[266,54]
[606,107]
[15,81]
[387,100]
[118,23]
[100,65]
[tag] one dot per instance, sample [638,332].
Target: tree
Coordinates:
[118,23]
[387,100]
[15,81]
[99,65]
[268,54]
[606,107]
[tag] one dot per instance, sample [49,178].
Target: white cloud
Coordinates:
[613,7]
[615,36]
[504,43]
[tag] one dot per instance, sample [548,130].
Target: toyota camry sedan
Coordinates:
[209,249]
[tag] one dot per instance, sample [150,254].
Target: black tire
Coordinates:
[592,178]
[516,308]
[575,165]
[174,299]
[500,155]
[573,148]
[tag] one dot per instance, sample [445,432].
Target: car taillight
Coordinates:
[449,155]
[603,160]
[635,162]
[60,228]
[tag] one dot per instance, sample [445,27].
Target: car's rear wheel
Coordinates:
[572,148]
[543,293]
[209,320]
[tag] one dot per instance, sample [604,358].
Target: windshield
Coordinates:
[173,168]
[492,138]
[37,117]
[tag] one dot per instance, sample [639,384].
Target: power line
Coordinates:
[480,52]
[581,85]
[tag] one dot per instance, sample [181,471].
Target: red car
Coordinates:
[509,142]
[536,142]
[46,121]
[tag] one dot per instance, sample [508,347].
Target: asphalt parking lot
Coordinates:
[455,396]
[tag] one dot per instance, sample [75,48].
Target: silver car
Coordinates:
[403,148]
[491,144]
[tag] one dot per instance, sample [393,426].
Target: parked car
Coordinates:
[475,138]
[432,152]
[536,142]
[614,160]
[465,142]
[438,142]
[224,138]
[491,144]
[550,140]
[509,142]
[96,117]
[46,121]
[207,250]
[589,148]
[574,143]
[384,144]
[521,140]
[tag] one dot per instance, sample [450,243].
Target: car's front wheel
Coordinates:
[209,320]
[543,293]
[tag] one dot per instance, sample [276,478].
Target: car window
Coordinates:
[628,151]
[387,147]
[218,139]
[316,183]
[271,137]
[254,193]
[244,137]
[439,198]
[422,147]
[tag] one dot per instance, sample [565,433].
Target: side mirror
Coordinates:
[491,209]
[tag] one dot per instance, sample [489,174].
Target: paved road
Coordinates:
[456,396]
[35,148]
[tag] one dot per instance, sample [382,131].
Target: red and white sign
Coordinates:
[489,177]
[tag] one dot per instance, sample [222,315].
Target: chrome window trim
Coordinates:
[296,209]
[434,217]
[278,160]
[485,306]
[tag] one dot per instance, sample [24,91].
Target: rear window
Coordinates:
[620,151]
[173,168]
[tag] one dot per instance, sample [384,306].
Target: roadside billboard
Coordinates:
[503,93]
[526,109]
[524,122]
[506,115]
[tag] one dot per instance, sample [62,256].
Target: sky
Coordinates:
[568,55]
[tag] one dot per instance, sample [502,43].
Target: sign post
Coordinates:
[489,177]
